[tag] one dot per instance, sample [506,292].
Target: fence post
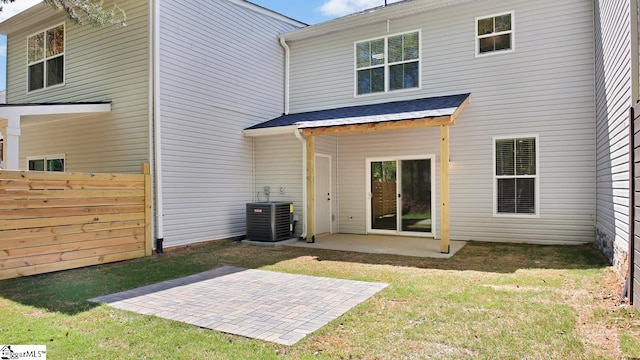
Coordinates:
[148,199]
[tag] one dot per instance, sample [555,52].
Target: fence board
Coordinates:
[24,184]
[9,195]
[6,204]
[384,199]
[66,265]
[72,211]
[68,220]
[59,221]
[56,231]
[10,245]
[39,259]
[40,175]
[69,247]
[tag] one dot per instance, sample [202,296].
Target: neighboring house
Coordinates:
[2,96]
[472,120]
[174,88]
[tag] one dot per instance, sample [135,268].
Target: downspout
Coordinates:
[156,128]
[303,140]
[635,95]
[628,291]
[297,133]
[287,68]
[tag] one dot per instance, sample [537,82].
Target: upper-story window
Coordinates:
[388,63]
[45,58]
[494,33]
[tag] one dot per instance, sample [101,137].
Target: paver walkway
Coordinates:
[271,306]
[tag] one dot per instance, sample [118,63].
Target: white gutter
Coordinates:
[157,134]
[302,139]
[287,67]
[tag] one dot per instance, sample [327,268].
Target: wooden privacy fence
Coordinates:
[57,221]
[384,199]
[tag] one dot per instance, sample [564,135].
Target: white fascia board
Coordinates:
[53,109]
[369,119]
[27,18]
[279,130]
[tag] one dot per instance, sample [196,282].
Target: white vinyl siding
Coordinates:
[99,143]
[613,98]
[221,70]
[278,165]
[116,70]
[356,148]
[545,88]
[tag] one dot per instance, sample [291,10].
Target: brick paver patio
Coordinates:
[271,306]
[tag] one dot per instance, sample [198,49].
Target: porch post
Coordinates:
[12,143]
[311,189]
[444,189]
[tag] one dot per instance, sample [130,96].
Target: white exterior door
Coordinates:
[323,193]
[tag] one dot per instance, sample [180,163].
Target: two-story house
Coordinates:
[473,120]
[173,88]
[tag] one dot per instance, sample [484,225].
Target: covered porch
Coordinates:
[367,141]
[14,116]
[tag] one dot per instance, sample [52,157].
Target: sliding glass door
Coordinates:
[401,195]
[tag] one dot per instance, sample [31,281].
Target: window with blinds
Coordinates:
[516,175]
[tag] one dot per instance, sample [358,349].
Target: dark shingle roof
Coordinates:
[390,111]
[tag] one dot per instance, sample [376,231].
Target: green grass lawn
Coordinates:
[489,301]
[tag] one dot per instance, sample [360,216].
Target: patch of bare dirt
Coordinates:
[597,335]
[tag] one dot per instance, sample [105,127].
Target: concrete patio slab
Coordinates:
[383,244]
[266,305]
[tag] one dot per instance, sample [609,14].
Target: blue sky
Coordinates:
[308,11]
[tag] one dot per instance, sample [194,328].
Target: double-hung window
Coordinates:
[45,58]
[516,175]
[46,163]
[388,63]
[494,34]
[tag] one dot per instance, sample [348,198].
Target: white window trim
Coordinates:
[44,59]
[513,35]
[386,65]
[48,157]
[536,177]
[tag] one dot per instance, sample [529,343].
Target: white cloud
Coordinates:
[345,7]
[8,10]
[3,50]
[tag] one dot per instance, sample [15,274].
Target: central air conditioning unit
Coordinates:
[269,221]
